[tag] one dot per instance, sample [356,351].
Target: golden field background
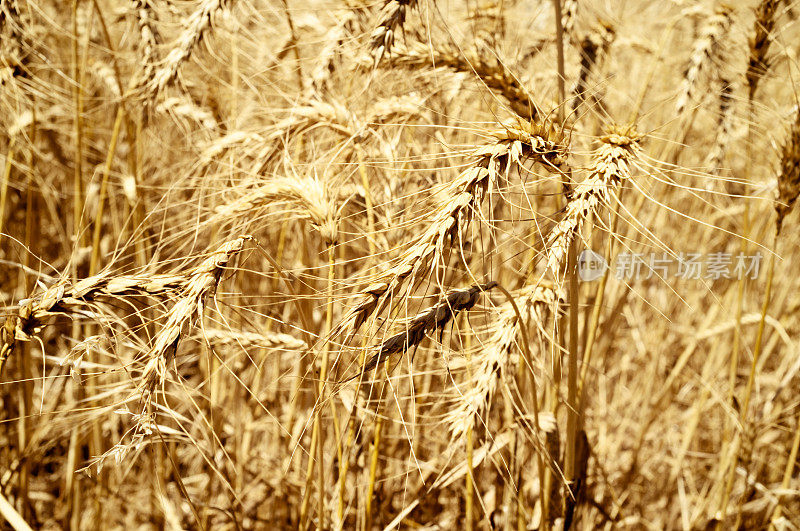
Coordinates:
[285,264]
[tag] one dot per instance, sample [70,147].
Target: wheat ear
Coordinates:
[198,24]
[201,281]
[495,358]
[707,48]
[392,19]
[464,197]
[757,65]
[308,194]
[611,166]
[491,70]
[789,178]
[434,318]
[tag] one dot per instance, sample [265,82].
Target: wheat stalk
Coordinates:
[334,38]
[434,318]
[308,194]
[392,19]
[789,178]
[201,281]
[569,13]
[489,68]
[707,48]
[333,116]
[463,197]
[264,340]
[611,166]
[197,25]
[759,44]
[149,38]
[495,357]
[65,299]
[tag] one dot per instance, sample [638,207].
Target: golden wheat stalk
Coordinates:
[197,25]
[392,19]
[495,359]
[611,166]
[241,338]
[487,66]
[201,281]
[463,199]
[434,318]
[757,62]
[325,65]
[707,49]
[309,196]
[332,116]
[789,178]
[149,38]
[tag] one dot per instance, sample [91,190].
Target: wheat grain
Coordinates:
[495,359]
[198,24]
[463,198]
[707,48]
[611,166]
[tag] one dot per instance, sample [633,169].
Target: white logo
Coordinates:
[591,265]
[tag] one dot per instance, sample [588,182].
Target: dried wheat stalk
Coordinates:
[724,127]
[495,357]
[789,178]
[336,117]
[611,166]
[147,24]
[265,340]
[308,194]
[491,70]
[393,16]
[434,318]
[757,64]
[198,24]
[594,46]
[464,197]
[707,48]
[321,74]
[14,41]
[65,299]
[201,281]
[569,12]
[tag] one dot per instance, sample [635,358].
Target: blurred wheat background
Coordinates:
[292,264]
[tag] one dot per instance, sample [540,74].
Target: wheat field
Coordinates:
[403,264]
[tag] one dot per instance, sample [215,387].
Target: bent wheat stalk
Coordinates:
[308,194]
[197,26]
[434,318]
[464,197]
[491,70]
[495,358]
[201,281]
[611,166]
